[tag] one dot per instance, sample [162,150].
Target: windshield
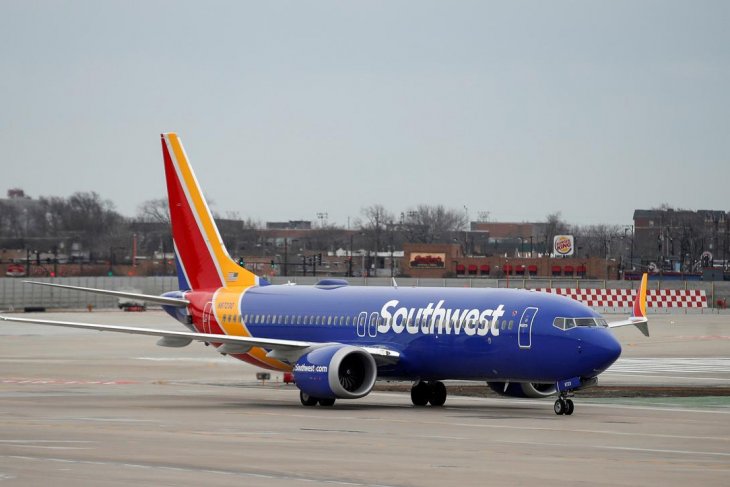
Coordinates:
[568,323]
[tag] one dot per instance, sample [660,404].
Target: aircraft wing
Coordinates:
[638,316]
[291,349]
[180,303]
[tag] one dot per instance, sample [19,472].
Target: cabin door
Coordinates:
[524,330]
[362,321]
[206,316]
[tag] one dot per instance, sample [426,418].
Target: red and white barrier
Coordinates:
[624,298]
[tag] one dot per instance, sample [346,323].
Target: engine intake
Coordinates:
[336,371]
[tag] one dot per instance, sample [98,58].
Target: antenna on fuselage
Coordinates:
[395,284]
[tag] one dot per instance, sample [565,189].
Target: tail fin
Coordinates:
[203,262]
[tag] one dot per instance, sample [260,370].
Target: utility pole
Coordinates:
[286,255]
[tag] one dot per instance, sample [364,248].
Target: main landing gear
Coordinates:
[564,405]
[308,400]
[423,393]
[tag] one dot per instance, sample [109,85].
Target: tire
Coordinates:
[306,399]
[569,407]
[327,402]
[420,394]
[438,394]
[559,407]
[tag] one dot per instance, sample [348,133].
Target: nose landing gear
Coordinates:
[564,405]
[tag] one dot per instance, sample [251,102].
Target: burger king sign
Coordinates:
[563,244]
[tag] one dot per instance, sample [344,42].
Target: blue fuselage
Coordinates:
[440,333]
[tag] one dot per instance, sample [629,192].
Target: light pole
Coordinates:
[392,267]
[508,269]
[349,270]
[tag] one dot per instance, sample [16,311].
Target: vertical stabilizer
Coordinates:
[203,262]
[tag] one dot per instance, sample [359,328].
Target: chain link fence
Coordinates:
[17,295]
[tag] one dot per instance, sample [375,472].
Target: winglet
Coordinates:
[640,301]
[638,314]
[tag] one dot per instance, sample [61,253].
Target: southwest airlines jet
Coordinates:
[339,339]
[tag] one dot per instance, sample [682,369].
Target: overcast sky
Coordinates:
[287,109]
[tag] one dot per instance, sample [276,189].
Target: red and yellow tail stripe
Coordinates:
[203,258]
[201,253]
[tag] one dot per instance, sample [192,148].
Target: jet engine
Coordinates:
[336,371]
[523,389]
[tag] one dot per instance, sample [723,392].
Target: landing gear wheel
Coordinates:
[306,399]
[420,393]
[327,402]
[438,393]
[560,406]
[569,407]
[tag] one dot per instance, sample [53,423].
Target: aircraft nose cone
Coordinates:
[604,351]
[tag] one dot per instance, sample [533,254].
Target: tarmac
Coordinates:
[103,409]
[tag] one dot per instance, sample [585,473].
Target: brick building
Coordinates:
[449,260]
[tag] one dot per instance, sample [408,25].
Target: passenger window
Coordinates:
[511,322]
[504,324]
[329,320]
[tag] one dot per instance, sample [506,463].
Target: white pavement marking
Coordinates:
[686,365]
[622,448]
[234,473]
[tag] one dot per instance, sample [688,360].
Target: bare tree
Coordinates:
[11,224]
[598,240]
[429,224]
[375,223]
[554,225]
[154,210]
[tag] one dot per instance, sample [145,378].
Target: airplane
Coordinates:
[338,339]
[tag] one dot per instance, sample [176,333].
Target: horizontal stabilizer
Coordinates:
[180,303]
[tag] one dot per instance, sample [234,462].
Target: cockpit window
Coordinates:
[568,323]
[585,322]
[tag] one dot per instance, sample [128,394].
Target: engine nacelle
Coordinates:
[336,371]
[523,389]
